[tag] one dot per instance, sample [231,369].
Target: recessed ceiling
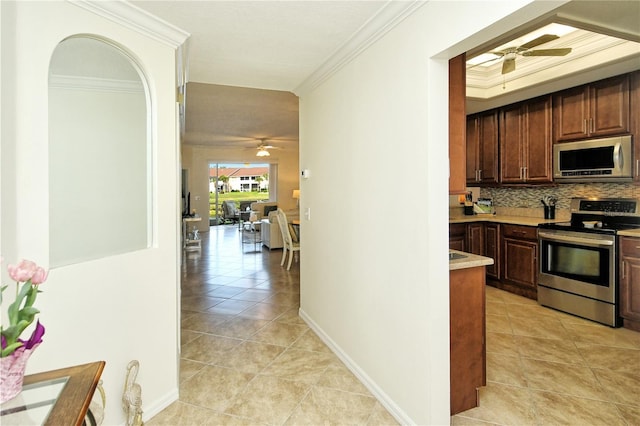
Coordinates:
[588,50]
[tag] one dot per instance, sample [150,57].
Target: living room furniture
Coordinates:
[262,209]
[58,397]
[270,229]
[251,234]
[288,243]
[230,211]
[190,240]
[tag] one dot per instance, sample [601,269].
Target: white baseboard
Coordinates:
[157,406]
[372,386]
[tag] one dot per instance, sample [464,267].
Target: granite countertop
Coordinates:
[523,220]
[630,233]
[468,261]
[497,218]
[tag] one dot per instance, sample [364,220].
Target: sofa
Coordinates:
[262,209]
[270,229]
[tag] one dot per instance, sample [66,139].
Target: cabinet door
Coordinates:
[609,106]
[571,114]
[537,149]
[488,153]
[475,238]
[511,144]
[630,278]
[457,236]
[492,249]
[634,125]
[520,265]
[473,145]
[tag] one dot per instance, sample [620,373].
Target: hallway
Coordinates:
[247,358]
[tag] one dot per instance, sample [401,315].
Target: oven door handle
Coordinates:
[575,240]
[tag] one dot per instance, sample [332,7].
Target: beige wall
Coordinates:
[196,159]
[374,272]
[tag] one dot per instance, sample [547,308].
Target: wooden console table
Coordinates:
[58,397]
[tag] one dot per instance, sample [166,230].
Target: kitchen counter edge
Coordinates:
[469,261]
[514,220]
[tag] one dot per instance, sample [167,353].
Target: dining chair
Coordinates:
[288,243]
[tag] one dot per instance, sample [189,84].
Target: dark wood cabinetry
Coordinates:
[482,148]
[475,238]
[492,249]
[457,120]
[467,337]
[634,108]
[458,236]
[596,109]
[630,282]
[525,142]
[519,260]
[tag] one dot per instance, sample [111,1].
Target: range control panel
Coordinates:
[605,205]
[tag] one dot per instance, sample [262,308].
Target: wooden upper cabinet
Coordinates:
[482,148]
[596,109]
[634,111]
[457,120]
[525,142]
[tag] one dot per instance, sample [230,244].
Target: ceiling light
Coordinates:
[262,153]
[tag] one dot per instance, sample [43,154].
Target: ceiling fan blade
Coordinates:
[547,52]
[508,65]
[538,41]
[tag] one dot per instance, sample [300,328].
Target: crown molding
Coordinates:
[132,17]
[387,18]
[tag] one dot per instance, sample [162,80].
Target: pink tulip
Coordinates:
[39,276]
[23,271]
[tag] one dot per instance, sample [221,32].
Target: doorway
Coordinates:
[239,183]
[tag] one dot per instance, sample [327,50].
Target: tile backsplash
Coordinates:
[526,201]
[530,197]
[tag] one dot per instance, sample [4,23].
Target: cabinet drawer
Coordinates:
[517,231]
[630,246]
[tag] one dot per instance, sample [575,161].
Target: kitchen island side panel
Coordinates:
[467,336]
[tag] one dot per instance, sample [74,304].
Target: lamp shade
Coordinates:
[262,153]
[296,194]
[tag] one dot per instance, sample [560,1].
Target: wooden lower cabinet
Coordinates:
[513,248]
[630,282]
[458,236]
[475,238]
[520,260]
[492,249]
[467,337]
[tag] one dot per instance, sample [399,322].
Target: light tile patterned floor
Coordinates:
[545,367]
[247,358]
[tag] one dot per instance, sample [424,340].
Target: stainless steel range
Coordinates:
[579,260]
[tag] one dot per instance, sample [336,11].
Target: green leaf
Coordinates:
[10,348]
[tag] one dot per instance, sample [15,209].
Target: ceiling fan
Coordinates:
[509,54]
[263,148]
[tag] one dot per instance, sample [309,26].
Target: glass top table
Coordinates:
[54,397]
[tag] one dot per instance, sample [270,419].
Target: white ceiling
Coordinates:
[278,45]
[263,44]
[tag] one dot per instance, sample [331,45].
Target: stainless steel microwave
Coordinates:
[595,160]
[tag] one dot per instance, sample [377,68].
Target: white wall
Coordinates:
[115,308]
[374,268]
[196,159]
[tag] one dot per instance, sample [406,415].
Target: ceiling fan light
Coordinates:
[262,153]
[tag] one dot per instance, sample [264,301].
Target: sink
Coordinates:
[454,256]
